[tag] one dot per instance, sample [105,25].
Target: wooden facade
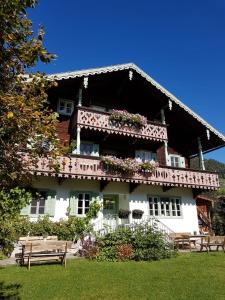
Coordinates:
[171,128]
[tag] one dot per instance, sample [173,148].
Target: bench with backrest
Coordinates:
[24,239]
[212,241]
[181,239]
[38,251]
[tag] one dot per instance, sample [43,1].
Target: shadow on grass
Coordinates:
[9,291]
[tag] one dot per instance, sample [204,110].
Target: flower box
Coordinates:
[124,118]
[124,213]
[127,165]
[137,214]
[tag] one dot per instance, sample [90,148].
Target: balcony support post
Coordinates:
[167,160]
[163,120]
[80,97]
[78,139]
[200,155]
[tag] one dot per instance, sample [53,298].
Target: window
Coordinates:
[65,107]
[177,161]
[164,206]
[37,206]
[89,149]
[83,203]
[143,156]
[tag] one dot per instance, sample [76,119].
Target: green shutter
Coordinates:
[25,211]
[95,197]
[50,203]
[73,203]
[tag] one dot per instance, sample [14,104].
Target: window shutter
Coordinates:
[168,160]
[182,162]
[25,211]
[73,203]
[95,197]
[95,150]
[50,203]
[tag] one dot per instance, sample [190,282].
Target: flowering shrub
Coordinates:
[128,165]
[125,118]
[124,252]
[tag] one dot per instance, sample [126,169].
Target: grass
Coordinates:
[189,276]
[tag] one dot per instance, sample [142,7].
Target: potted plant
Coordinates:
[123,213]
[137,213]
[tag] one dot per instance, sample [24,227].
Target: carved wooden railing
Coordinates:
[100,121]
[92,168]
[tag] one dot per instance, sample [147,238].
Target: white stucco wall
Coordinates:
[188,222]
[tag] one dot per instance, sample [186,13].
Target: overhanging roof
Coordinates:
[131,66]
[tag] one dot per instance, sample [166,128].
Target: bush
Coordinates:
[70,230]
[124,252]
[146,243]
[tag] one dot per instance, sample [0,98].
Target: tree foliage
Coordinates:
[24,114]
[27,125]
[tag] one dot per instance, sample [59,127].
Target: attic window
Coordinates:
[65,107]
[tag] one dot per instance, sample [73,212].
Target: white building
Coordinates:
[170,134]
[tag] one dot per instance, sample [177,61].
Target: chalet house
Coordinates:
[125,161]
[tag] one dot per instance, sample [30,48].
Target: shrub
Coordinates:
[70,230]
[124,252]
[146,243]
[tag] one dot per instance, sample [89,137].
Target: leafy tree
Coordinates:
[24,115]
[27,124]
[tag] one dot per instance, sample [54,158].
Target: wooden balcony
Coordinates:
[99,121]
[80,167]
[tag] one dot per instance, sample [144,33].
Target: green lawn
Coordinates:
[189,276]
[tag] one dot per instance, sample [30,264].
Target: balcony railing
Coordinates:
[92,168]
[100,121]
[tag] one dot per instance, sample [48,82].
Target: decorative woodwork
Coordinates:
[99,121]
[92,168]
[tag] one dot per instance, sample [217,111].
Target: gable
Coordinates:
[145,95]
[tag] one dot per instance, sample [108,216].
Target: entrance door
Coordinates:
[110,209]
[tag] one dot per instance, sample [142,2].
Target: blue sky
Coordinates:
[181,44]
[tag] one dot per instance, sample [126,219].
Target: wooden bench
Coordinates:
[44,251]
[37,238]
[181,240]
[212,241]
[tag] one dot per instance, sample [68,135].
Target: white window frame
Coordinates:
[64,112]
[94,152]
[146,154]
[38,206]
[83,206]
[173,209]
[180,159]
